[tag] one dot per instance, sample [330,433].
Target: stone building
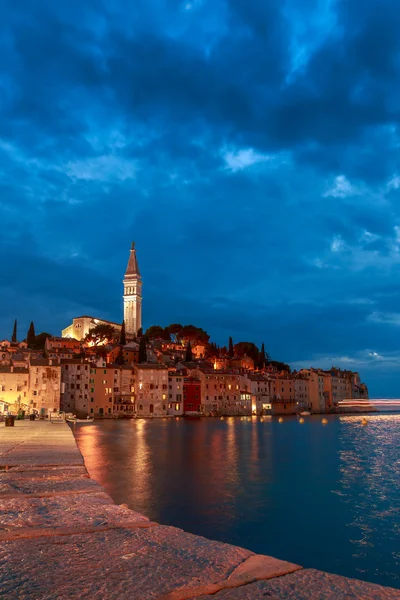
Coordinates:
[75,386]
[81,326]
[14,388]
[176,381]
[221,392]
[259,387]
[151,389]
[44,386]
[124,391]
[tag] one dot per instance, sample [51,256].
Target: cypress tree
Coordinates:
[30,338]
[142,350]
[139,332]
[262,357]
[189,353]
[14,335]
[122,338]
[230,348]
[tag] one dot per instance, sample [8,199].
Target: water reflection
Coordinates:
[325,497]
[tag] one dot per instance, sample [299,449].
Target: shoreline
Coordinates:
[65,537]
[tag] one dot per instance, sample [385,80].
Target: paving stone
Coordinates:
[79,510]
[116,564]
[14,484]
[305,585]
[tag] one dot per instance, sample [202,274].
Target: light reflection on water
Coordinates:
[324,497]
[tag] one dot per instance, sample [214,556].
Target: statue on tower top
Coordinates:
[133,246]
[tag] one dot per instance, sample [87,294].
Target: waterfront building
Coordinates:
[302,392]
[221,392]
[14,388]
[44,386]
[315,390]
[259,388]
[75,386]
[151,389]
[283,399]
[191,395]
[124,391]
[101,393]
[132,295]
[175,392]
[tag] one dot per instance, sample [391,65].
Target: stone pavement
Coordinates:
[62,536]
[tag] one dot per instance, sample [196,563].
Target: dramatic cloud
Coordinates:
[249,148]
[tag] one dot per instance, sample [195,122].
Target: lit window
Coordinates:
[177,406]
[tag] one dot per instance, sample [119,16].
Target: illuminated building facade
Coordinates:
[132,295]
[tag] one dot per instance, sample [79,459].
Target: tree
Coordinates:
[120,358]
[122,337]
[14,335]
[249,349]
[142,350]
[173,331]
[101,334]
[157,332]
[280,366]
[194,334]
[262,359]
[139,332]
[40,341]
[30,338]
[189,353]
[231,351]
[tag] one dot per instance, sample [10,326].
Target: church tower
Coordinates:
[132,295]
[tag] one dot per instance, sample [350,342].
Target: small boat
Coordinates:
[76,420]
[305,413]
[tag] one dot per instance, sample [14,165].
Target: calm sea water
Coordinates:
[322,496]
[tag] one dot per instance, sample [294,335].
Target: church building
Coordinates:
[132,297]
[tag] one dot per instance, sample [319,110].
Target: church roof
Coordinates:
[133,267]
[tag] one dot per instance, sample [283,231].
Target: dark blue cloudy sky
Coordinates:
[250,148]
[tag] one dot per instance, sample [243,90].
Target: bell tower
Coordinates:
[132,295]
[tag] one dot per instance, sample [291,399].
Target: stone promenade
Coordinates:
[62,536]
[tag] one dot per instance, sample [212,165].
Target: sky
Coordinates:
[249,148]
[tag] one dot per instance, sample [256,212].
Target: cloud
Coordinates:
[342,188]
[114,125]
[241,159]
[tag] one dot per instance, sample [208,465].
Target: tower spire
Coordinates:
[132,295]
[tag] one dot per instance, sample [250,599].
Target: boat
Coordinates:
[305,413]
[76,420]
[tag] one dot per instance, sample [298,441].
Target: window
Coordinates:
[164,407]
[177,406]
[91,410]
[91,389]
[101,411]
[105,371]
[91,399]
[140,406]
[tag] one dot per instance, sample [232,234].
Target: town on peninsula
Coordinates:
[103,369]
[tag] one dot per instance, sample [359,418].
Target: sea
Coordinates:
[325,496]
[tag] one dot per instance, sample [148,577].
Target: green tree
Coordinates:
[142,350]
[249,349]
[231,351]
[139,332]
[30,338]
[101,334]
[120,358]
[122,337]
[194,334]
[189,353]
[262,359]
[14,335]
[280,366]
[157,332]
[40,340]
